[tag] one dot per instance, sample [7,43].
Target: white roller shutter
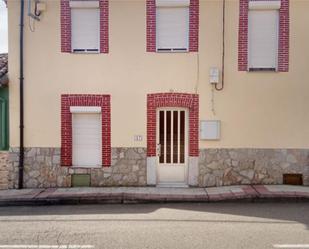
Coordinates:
[172,3]
[85,29]
[87,139]
[172,28]
[263,39]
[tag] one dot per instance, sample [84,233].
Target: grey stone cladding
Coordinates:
[219,167]
[3,170]
[216,167]
[43,170]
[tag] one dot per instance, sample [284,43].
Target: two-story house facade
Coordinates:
[160,92]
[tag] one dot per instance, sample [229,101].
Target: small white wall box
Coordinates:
[210,129]
[214,75]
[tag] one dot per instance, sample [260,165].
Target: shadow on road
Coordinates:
[202,212]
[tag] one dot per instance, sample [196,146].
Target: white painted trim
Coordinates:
[166,168]
[151,170]
[172,3]
[85,109]
[264,5]
[84,4]
[193,171]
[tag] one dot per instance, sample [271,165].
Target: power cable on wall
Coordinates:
[213,100]
[223,48]
[31,24]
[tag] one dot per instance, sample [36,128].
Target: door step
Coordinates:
[172,185]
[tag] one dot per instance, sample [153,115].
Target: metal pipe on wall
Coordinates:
[21,97]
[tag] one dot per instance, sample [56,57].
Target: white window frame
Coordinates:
[273,5]
[74,4]
[173,4]
[85,109]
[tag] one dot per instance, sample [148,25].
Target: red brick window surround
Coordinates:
[283,48]
[193,25]
[65,14]
[67,101]
[157,100]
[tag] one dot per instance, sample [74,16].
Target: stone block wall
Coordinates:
[3,170]
[42,169]
[219,167]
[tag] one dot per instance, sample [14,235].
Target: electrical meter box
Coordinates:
[210,129]
[214,75]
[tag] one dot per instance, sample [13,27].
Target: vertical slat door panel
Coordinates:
[168,137]
[182,137]
[161,136]
[172,127]
[172,137]
[175,137]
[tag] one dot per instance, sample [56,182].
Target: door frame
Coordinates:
[177,100]
[186,152]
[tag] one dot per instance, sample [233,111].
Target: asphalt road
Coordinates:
[212,225]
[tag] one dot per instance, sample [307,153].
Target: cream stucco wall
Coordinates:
[262,110]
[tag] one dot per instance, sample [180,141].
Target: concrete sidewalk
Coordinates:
[151,194]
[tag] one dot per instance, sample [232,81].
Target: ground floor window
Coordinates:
[85,130]
[87,139]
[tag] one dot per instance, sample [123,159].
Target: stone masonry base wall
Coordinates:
[43,170]
[217,167]
[3,170]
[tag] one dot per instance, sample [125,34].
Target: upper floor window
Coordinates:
[84,26]
[85,18]
[263,35]
[172,25]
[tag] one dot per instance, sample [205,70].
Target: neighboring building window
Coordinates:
[172,26]
[85,29]
[84,26]
[263,35]
[263,28]
[85,130]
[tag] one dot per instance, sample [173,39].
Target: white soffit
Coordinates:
[84,4]
[264,5]
[85,109]
[172,3]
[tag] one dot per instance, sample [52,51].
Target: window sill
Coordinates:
[85,52]
[87,167]
[172,50]
[274,70]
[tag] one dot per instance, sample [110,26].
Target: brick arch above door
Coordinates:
[184,100]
